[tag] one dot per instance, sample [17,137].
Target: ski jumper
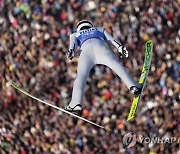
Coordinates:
[95,51]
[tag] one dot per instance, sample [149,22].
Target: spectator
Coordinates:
[33,46]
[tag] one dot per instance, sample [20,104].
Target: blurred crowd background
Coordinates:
[34,39]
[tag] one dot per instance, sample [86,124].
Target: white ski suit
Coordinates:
[95,51]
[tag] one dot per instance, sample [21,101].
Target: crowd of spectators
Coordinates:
[34,39]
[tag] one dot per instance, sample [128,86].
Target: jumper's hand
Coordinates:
[70,54]
[123,51]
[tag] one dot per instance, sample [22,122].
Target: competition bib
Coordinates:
[88,34]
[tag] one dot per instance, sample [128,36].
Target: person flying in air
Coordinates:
[94,51]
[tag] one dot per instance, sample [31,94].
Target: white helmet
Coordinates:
[84,24]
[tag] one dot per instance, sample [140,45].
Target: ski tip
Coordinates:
[129,118]
[149,41]
[14,84]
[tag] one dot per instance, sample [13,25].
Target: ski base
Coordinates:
[142,80]
[51,105]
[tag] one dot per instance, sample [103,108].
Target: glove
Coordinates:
[122,50]
[70,54]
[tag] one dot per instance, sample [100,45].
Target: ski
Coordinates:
[58,108]
[143,77]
